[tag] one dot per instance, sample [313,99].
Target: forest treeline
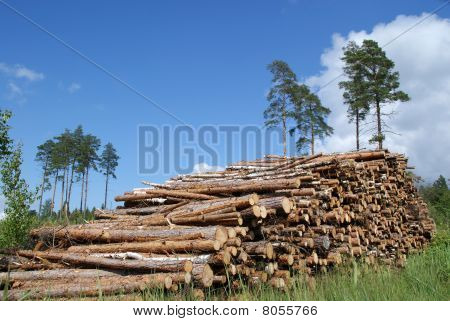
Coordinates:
[66,160]
[69,159]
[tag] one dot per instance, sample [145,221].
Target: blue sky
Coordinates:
[204,61]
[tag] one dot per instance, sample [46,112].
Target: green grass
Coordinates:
[426,277]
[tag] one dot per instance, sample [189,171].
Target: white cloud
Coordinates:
[422,56]
[19,71]
[204,167]
[14,89]
[74,87]
[15,92]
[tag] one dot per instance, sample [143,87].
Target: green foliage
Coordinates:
[372,83]
[108,163]
[14,227]
[5,141]
[17,221]
[355,93]
[68,157]
[280,97]
[437,196]
[310,116]
[108,160]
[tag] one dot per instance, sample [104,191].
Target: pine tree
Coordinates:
[310,116]
[44,157]
[74,156]
[379,82]
[88,159]
[108,164]
[355,92]
[61,161]
[280,97]
[441,183]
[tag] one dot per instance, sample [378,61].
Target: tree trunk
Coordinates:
[380,131]
[62,193]
[42,186]
[284,127]
[66,177]
[106,188]
[357,129]
[82,192]
[70,187]
[54,191]
[86,190]
[312,138]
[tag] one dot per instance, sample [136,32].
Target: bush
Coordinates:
[18,219]
[437,196]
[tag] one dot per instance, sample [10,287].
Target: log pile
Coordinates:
[259,221]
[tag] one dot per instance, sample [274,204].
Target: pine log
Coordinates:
[99,262]
[151,247]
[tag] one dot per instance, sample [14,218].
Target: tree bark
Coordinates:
[62,193]
[100,262]
[70,187]
[312,137]
[42,186]
[106,188]
[106,235]
[86,191]
[54,191]
[58,274]
[284,126]
[357,128]
[104,285]
[82,192]
[158,247]
[379,128]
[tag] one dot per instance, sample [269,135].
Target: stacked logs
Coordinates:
[259,221]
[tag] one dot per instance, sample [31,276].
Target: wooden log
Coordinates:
[56,274]
[104,285]
[105,235]
[193,246]
[259,248]
[162,192]
[259,186]
[91,261]
[203,274]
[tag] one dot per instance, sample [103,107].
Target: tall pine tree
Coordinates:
[355,88]
[89,159]
[108,163]
[379,83]
[311,117]
[44,157]
[280,107]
